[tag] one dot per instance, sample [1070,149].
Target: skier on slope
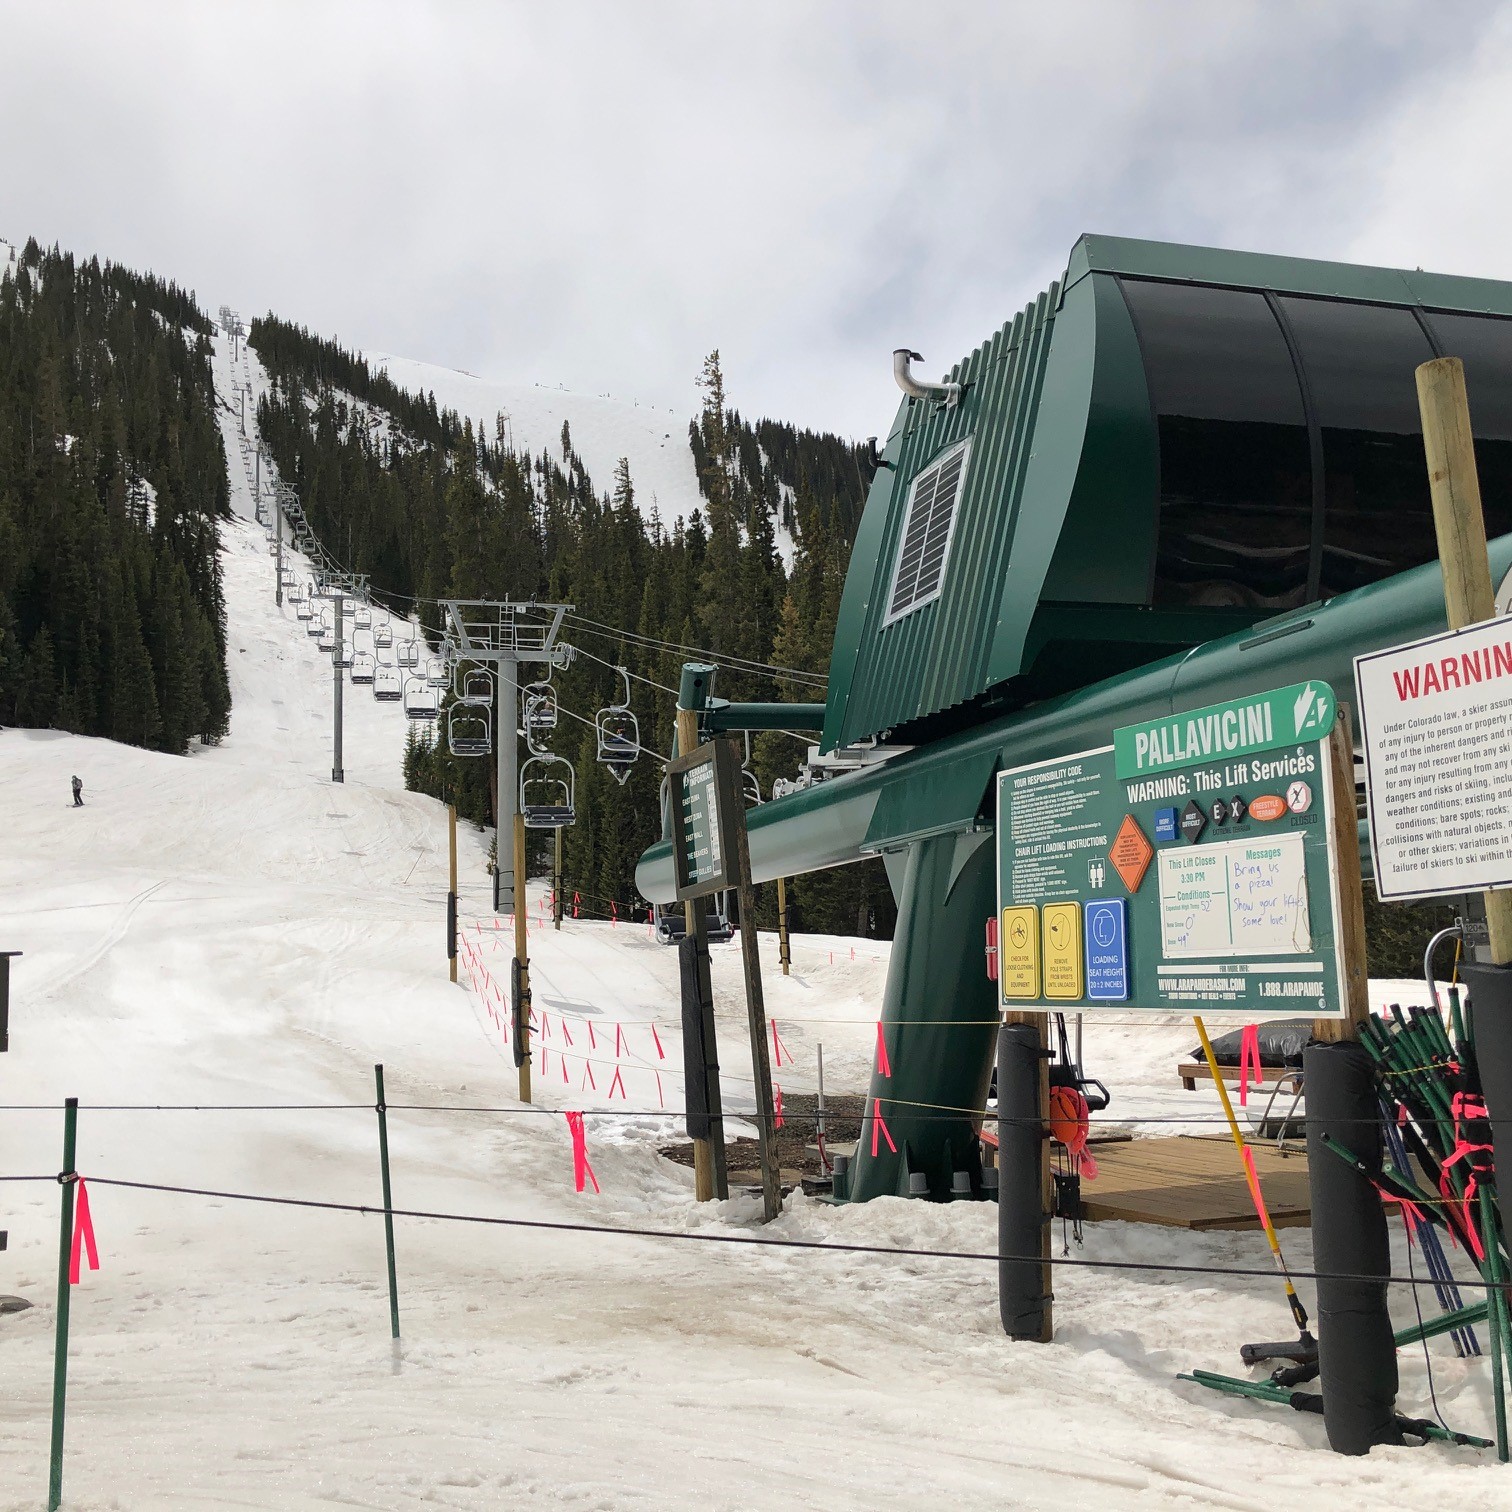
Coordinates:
[78,792]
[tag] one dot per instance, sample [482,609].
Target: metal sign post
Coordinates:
[337,774]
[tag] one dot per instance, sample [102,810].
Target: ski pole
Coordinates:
[1299,1313]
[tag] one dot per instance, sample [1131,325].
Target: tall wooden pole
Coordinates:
[784,946]
[1346,841]
[451,840]
[522,954]
[1461,526]
[709,1179]
[761,1064]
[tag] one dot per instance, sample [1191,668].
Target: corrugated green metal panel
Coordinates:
[1285,275]
[950,796]
[938,655]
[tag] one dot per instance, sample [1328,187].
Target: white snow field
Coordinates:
[603,429]
[232,928]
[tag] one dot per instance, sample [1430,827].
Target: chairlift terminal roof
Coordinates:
[1169,444]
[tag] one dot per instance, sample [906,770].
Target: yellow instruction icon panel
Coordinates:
[1018,953]
[1062,936]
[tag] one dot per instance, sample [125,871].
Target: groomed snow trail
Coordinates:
[232,928]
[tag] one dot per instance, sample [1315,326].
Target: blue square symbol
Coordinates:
[1165,824]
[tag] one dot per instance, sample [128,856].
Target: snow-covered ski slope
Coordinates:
[655,441]
[231,928]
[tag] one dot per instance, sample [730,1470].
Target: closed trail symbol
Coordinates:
[1299,797]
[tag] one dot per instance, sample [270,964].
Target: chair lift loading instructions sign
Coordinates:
[1188,867]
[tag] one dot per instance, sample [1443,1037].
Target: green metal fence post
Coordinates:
[66,1179]
[1497,1299]
[388,1202]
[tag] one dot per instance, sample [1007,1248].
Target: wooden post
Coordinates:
[750,955]
[522,953]
[1041,1022]
[1461,527]
[1346,842]
[556,879]
[710,1178]
[784,948]
[451,842]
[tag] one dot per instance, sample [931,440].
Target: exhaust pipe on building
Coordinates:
[947,393]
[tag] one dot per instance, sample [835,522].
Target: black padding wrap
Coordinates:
[516,1013]
[1021,1197]
[1490,990]
[451,926]
[695,1077]
[1355,1345]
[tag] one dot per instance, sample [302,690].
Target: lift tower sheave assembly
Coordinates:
[505,635]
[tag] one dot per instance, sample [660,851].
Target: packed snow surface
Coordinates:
[233,928]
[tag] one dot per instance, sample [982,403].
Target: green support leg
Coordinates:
[60,1346]
[936,979]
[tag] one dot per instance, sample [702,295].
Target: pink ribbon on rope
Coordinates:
[580,1166]
[1249,1051]
[879,1125]
[84,1235]
[884,1066]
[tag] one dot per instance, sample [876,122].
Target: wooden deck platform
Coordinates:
[1195,1182]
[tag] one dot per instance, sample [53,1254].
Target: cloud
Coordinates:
[598,194]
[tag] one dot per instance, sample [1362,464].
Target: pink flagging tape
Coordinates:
[581,1169]
[777,1107]
[588,1080]
[84,1235]
[592,1038]
[566,1032]
[545,1025]
[884,1066]
[544,1053]
[618,1082]
[562,1061]
[619,1040]
[879,1126]
[778,1048]
[1249,1046]
[1254,1186]
[661,1102]
[613,914]
[660,1053]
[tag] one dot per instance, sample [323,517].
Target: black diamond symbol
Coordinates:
[1193,820]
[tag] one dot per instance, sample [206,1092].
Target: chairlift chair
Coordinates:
[327,641]
[383,635]
[304,609]
[540,709]
[420,701]
[477,687]
[436,672]
[319,624]
[363,618]
[469,730]
[618,735]
[388,685]
[547,786]
[409,653]
[363,667]
[344,655]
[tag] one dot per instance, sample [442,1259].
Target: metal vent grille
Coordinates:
[926,533]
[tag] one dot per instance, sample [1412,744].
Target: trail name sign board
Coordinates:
[1436,725]
[1188,867]
[705,802]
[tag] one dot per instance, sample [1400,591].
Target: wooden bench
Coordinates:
[1287,1077]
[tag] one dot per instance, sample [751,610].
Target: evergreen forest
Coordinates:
[432,508]
[112,477]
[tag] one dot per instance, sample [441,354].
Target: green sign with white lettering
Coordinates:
[1241,727]
[1186,868]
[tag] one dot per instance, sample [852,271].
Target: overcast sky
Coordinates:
[596,194]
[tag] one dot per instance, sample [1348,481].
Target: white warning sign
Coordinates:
[1436,727]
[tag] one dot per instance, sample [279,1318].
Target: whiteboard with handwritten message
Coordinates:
[1245,897]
